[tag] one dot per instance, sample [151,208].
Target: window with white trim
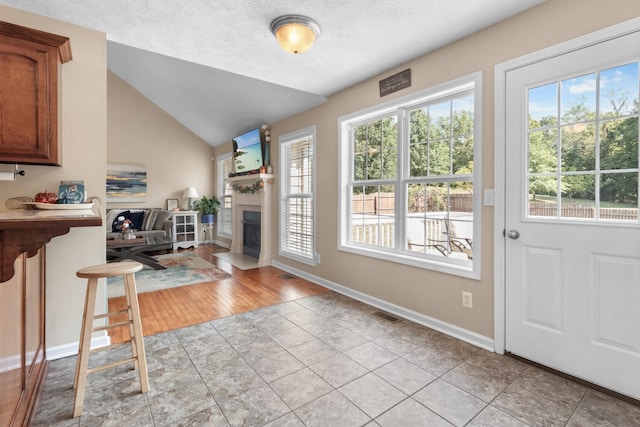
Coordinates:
[297,196]
[225,166]
[408,171]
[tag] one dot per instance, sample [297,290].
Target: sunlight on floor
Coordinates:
[243,262]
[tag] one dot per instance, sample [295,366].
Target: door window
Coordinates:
[582,140]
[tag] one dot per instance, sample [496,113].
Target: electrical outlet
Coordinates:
[317,258]
[467,299]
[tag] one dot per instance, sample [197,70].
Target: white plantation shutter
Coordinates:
[225,166]
[297,198]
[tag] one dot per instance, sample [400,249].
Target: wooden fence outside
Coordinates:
[575,210]
[384,203]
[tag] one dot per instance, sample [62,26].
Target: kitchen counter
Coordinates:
[26,231]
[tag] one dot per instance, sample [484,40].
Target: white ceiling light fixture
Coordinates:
[295,33]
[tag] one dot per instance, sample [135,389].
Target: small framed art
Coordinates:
[172,204]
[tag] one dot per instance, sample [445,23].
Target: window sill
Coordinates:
[469,271]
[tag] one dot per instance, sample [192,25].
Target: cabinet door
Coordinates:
[12,370]
[181,227]
[29,131]
[189,228]
[29,62]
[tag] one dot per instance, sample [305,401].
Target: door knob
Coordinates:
[513,234]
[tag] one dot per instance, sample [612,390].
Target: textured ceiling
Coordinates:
[215,67]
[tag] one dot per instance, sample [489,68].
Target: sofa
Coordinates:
[145,222]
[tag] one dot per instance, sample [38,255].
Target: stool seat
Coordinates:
[93,273]
[109,270]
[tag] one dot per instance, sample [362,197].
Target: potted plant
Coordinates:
[208,208]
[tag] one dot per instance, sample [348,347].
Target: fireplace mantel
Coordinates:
[252,193]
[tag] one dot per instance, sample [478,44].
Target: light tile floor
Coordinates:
[323,361]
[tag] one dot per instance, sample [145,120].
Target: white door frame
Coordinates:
[500,75]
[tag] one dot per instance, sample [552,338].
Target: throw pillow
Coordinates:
[137,219]
[111,216]
[149,219]
[160,220]
[115,224]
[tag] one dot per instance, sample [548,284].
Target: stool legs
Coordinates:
[136,337]
[80,380]
[132,334]
[135,330]
[84,318]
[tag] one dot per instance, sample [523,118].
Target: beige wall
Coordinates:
[140,132]
[84,147]
[429,293]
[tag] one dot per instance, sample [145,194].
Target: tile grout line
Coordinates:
[202,379]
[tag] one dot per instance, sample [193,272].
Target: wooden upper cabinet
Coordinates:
[29,62]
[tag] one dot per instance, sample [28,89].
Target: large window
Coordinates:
[225,191]
[297,195]
[408,173]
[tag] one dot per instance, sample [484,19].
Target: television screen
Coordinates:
[247,152]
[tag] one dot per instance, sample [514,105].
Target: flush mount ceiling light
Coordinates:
[295,33]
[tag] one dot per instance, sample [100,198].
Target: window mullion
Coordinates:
[402,175]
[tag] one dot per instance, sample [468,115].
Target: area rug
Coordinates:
[183,268]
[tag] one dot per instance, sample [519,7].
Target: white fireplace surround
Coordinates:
[259,201]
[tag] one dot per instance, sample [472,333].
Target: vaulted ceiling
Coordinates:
[215,67]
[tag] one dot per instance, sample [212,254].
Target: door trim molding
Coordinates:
[499,220]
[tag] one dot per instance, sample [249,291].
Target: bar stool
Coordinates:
[93,273]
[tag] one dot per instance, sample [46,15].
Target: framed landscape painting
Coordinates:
[126,182]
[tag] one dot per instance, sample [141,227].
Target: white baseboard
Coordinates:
[444,327]
[71,349]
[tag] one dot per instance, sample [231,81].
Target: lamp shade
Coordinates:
[190,193]
[295,33]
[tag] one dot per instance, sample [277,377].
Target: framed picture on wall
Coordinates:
[172,204]
[126,182]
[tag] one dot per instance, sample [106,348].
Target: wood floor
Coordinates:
[247,290]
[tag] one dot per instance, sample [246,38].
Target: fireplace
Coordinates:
[251,234]
[251,207]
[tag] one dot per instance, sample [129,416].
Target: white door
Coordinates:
[573,245]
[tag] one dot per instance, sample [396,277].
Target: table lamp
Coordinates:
[190,193]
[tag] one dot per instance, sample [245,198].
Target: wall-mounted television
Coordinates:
[248,152]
